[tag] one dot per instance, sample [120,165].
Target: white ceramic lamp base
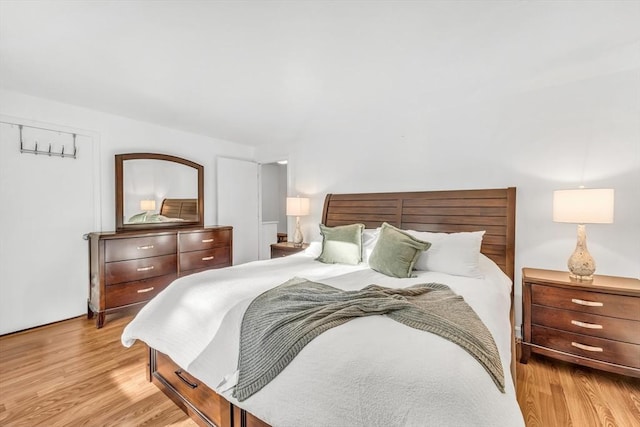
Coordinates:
[297,236]
[581,264]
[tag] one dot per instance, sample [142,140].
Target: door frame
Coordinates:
[270,160]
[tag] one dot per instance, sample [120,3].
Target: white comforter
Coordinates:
[371,371]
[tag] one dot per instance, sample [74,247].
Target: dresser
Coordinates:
[590,323]
[129,268]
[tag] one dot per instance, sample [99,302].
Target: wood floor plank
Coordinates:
[72,374]
[528,397]
[559,406]
[581,397]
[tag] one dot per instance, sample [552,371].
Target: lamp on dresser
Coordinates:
[297,206]
[583,206]
[147,205]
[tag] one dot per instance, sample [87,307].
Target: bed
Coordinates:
[387,374]
[171,211]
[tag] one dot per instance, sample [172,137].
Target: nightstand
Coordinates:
[590,323]
[286,248]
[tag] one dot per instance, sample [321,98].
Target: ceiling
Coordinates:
[263,72]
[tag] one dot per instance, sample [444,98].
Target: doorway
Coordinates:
[49,202]
[273,181]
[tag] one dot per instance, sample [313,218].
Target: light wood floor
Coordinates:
[556,393]
[71,374]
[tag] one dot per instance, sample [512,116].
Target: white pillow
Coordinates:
[369,240]
[451,253]
[314,249]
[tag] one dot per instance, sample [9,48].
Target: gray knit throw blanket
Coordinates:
[282,320]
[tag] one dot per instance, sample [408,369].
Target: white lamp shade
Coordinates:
[297,206]
[148,205]
[583,206]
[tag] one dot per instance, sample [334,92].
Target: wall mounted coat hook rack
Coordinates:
[48,152]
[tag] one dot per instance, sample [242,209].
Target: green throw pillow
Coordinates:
[341,244]
[396,252]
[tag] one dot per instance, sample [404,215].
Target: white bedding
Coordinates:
[371,371]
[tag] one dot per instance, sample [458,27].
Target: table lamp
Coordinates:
[583,206]
[297,206]
[147,205]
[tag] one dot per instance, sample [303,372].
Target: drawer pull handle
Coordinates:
[587,303]
[145,290]
[151,267]
[586,325]
[145,247]
[184,380]
[207,240]
[207,258]
[586,347]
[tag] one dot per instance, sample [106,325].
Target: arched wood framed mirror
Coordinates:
[158,190]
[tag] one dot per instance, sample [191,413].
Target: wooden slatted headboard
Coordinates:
[186,209]
[492,210]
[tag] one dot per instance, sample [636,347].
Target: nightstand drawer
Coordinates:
[587,324]
[277,253]
[582,345]
[139,247]
[201,240]
[283,249]
[138,269]
[620,306]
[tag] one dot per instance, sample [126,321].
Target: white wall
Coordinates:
[112,135]
[121,135]
[562,135]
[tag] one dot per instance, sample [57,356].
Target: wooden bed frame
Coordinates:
[492,210]
[186,209]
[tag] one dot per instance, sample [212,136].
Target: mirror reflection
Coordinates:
[158,191]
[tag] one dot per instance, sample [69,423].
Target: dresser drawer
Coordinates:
[201,240]
[216,408]
[587,324]
[134,292]
[139,269]
[211,258]
[620,306]
[582,345]
[139,247]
